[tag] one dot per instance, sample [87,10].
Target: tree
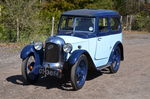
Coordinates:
[127,7]
[19,18]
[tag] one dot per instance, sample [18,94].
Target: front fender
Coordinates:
[28,50]
[75,56]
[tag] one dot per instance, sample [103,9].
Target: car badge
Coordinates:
[50,47]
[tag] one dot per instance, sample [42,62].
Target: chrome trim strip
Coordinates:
[53,65]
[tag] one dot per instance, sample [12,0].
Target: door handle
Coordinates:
[99,39]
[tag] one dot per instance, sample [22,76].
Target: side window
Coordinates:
[103,25]
[115,24]
[67,23]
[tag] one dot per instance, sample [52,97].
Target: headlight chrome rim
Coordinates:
[38,45]
[67,47]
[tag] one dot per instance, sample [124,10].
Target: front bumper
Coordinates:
[51,69]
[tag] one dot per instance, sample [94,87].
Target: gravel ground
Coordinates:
[130,82]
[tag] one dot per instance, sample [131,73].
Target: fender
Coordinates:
[121,48]
[29,49]
[75,56]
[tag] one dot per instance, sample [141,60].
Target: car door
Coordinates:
[103,40]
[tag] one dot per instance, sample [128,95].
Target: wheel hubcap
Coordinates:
[30,67]
[81,73]
[116,60]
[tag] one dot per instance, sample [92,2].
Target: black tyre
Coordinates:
[79,73]
[115,58]
[27,69]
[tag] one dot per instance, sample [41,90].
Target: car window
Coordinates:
[115,24]
[84,24]
[77,24]
[103,25]
[67,23]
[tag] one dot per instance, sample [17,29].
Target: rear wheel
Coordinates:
[115,58]
[27,69]
[79,73]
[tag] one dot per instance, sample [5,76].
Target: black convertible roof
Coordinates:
[90,12]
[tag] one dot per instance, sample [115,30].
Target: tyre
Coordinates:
[115,58]
[27,70]
[79,72]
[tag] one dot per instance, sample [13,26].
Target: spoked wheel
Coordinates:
[116,57]
[79,73]
[27,69]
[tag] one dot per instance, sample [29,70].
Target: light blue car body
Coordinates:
[99,48]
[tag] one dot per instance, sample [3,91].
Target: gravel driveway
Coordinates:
[132,81]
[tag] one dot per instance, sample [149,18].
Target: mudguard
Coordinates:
[121,48]
[75,56]
[122,52]
[28,50]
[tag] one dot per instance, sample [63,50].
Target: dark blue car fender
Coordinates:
[75,56]
[118,44]
[29,49]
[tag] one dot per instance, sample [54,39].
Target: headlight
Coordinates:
[67,47]
[38,45]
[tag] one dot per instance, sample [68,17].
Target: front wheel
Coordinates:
[27,69]
[79,73]
[115,58]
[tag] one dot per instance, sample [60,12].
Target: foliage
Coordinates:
[32,18]
[142,21]
[26,12]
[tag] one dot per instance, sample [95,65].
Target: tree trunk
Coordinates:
[121,19]
[40,1]
[52,32]
[127,22]
[18,31]
[0,11]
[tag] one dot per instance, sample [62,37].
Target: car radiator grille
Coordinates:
[52,52]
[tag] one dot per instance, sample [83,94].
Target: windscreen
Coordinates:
[77,24]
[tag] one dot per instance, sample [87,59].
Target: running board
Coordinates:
[103,67]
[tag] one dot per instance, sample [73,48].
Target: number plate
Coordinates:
[49,72]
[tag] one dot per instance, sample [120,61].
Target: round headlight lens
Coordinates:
[67,47]
[38,45]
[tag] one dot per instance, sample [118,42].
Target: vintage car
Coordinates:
[87,40]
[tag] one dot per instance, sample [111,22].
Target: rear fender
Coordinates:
[118,44]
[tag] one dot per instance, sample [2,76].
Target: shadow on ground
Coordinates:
[50,82]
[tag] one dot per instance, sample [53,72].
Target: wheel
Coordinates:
[27,69]
[115,57]
[79,73]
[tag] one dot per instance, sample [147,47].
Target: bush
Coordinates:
[7,35]
[147,27]
[141,22]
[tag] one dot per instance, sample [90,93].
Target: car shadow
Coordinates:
[94,74]
[50,82]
